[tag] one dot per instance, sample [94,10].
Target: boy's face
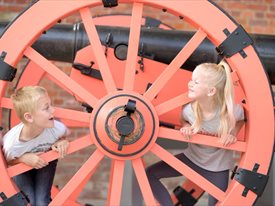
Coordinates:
[43,117]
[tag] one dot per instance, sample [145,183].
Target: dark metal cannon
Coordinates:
[61,43]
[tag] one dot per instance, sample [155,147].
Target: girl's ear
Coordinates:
[212,91]
[28,117]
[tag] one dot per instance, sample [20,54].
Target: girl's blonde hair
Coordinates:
[218,76]
[25,100]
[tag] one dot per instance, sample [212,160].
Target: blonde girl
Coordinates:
[211,112]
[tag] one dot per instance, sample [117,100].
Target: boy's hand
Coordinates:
[61,146]
[230,139]
[33,160]
[187,131]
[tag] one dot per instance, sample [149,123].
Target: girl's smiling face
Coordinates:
[197,86]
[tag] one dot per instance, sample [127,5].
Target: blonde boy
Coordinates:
[38,132]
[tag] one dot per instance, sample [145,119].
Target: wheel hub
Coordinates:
[124,125]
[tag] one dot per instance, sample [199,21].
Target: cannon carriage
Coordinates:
[126,84]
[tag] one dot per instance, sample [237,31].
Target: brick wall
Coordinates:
[257,16]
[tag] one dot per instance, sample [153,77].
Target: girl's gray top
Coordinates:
[207,157]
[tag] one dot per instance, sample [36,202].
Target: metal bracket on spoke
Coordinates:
[235,42]
[19,199]
[108,42]
[130,107]
[252,180]
[184,197]
[141,62]
[110,3]
[88,70]
[7,72]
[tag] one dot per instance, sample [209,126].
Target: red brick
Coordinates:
[236,13]
[255,22]
[236,6]
[259,7]
[258,30]
[272,8]
[260,15]
[247,14]
[271,16]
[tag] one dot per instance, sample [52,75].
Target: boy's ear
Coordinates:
[212,91]
[28,117]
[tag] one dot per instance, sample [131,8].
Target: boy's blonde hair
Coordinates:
[25,100]
[218,76]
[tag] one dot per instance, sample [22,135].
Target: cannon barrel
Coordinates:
[61,43]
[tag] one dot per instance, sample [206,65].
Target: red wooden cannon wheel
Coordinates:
[210,23]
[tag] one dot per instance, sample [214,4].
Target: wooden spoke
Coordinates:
[62,113]
[52,79]
[37,74]
[78,178]
[116,182]
[130,69]
[171,69]
[75,146]
[60,76]
[172,104]
[97,49]
[188,172]
[173,134]
[6,103]
[72,115]
[143,182]
[71,201]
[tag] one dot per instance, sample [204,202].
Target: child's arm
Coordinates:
[232,137]
[238,127]
[185,123]
[30,159]
[186,130]
[62,145]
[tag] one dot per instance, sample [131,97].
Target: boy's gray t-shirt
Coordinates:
[14,148]
[207,157]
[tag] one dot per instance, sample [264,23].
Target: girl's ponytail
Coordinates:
[227,112]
